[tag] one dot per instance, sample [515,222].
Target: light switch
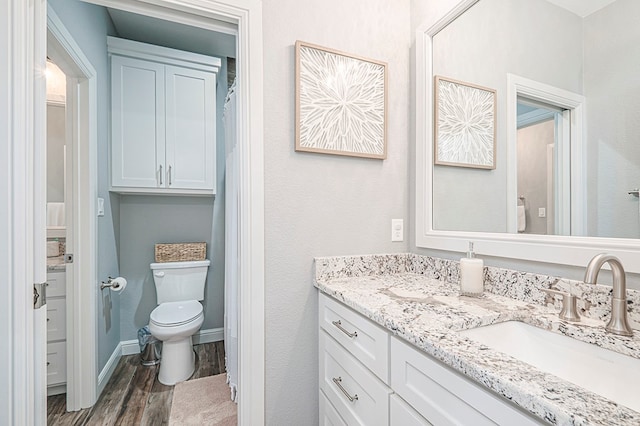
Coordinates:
[397,230]
[542,212]
[100,207]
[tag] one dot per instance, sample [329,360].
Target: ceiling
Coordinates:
[582,8]
[150,30]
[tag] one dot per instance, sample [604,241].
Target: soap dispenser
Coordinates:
[471,274]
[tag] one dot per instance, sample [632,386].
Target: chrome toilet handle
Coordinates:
[159,274]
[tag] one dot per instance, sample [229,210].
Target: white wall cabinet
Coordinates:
[163,119]
[411,388]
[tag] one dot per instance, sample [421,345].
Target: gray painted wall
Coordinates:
[89,25]
[612,61]
[541,55]
[55,153]
[317,205]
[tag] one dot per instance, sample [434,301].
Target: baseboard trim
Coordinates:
[208,336]
[56,389]
[109,368]
[131,347]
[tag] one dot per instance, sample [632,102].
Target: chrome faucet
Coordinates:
[618,324]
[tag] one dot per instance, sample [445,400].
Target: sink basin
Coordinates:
[601,371]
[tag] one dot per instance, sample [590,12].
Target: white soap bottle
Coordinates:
[471,274]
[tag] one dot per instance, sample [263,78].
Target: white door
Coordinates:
[191,128]
[137,123]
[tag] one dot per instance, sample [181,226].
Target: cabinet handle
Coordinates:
[48,319]
[337,381]
[160,174]
[48,363]
[169,175]
[339,325]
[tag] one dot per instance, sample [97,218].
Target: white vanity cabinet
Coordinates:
[56,333]
[354,365]
[395,383]
[163,119]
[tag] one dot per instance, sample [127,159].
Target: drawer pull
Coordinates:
[339,325]
[337,381]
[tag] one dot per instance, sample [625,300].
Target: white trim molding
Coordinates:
[20,81]
[568,250]
[572,181]
[110,367]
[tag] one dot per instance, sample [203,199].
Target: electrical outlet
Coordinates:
[397,230]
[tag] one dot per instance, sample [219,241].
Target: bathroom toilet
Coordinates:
[178,316]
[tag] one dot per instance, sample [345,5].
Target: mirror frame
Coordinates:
[554,249]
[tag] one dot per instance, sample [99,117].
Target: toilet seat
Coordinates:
[172,314]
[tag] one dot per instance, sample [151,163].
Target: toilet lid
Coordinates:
[176,313]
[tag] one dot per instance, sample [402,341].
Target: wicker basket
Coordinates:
[180,252]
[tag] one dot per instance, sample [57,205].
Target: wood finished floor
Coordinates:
[133,395]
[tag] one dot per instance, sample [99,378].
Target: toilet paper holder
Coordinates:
[109,283]
[113,284]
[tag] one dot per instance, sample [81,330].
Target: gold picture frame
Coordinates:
[464,124]
[341,103]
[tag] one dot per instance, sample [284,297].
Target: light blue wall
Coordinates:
[89,25]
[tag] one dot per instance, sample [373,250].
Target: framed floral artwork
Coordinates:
[341,103]
[465,124]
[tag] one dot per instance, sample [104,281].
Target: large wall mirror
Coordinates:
[567,125]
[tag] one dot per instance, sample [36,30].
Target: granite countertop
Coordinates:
[426,310]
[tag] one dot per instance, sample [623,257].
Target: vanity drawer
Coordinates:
[402,414]
[56,319]
[444,396]
[56,363]
[364,339]
[340,370]
[56,284]
[328,414]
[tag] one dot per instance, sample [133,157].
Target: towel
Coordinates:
[522,220]
[55,214]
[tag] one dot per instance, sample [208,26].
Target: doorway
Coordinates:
[77,353]
[246,19]
[541,145]
[566,158]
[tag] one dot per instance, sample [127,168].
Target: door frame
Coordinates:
[82,142]
[570,181]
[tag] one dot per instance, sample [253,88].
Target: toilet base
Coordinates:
[178,361]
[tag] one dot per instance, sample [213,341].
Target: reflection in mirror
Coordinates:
[539,139]
[593,53]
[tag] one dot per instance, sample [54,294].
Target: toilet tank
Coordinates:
[179,281]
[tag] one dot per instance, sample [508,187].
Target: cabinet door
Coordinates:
[191,128]
[137,123]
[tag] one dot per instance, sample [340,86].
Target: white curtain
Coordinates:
[232,217]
